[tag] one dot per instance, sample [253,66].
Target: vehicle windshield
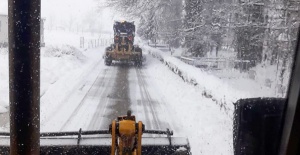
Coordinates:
[178,65]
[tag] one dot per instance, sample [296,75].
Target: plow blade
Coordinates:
[102,145]
[90,143]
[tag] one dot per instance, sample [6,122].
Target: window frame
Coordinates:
[290,137]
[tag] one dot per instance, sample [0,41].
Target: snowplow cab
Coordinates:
[124,29]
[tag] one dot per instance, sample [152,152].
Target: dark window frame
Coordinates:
[290,136]
[290,140]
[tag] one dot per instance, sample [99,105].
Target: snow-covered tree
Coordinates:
[259,30]
[159,19]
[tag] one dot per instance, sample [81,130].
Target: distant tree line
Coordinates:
[260,31]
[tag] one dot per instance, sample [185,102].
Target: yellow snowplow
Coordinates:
[125,136]
[123,52]
[123,48]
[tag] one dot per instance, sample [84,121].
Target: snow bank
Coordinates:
[3,106]
[56,61]
[211,87]
[60,77]
[62,65]
[3,80]
[193,116]
[223,86]
[62,51]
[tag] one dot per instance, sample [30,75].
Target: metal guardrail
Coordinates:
[211,62]
[94,42]
[216,63]
[159,45]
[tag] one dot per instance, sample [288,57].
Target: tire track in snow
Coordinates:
[119,101]
[97,120]
[147,101]
[88,93]
[59,109]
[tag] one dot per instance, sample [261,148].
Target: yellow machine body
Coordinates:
[121,53]
[126,136]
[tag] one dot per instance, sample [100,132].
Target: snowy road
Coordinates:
[104,94]
[89,95]
[79,91]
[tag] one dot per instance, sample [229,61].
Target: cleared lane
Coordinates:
[117,89]
[115,102]
[149,105]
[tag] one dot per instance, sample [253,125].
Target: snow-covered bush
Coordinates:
[63,50]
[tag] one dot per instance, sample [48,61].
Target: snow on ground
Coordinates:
[61,37]
[3,80]
[63,64]
[207,127]
[59,80]
[225,85]
[208,84]
[195,115]
[204,122]
[197,105]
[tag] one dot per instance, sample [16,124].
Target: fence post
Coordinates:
[81,42]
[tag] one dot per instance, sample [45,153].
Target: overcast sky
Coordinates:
[60,12]
[3,6]
[63,9]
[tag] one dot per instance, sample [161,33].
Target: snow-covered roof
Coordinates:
[121,21]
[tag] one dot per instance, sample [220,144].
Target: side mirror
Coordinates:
[257,126]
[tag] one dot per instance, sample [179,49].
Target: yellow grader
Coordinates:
[123,48]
